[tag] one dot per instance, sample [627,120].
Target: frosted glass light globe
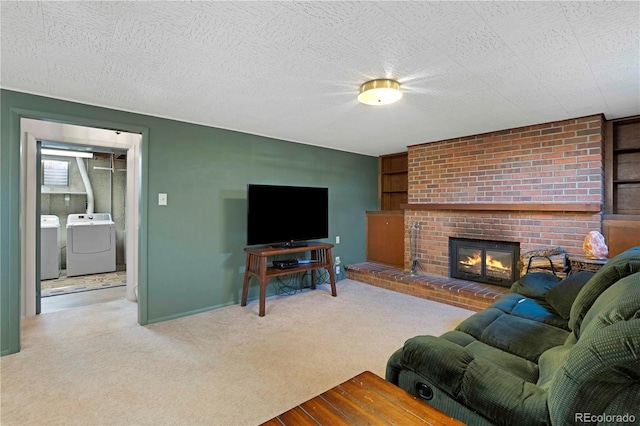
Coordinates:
[380,92]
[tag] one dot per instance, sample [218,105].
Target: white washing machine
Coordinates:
[91,244]
[49,247]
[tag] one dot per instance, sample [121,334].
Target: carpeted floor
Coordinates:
[95,365]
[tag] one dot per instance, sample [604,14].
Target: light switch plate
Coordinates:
[162,199]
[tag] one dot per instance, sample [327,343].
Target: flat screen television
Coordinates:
[286,216]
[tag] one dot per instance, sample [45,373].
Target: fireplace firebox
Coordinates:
[491,262]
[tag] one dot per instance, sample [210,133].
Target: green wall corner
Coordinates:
[191,254]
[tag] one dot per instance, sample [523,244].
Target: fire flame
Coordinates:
[472,260]
[495,263]
[477,258]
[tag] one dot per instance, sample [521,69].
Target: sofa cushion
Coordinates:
[562,295]
[524,307]
[515,365]
[518,366]
[535,284]
[477,323]
[624,264]
[620,302]
[523,337]
[550,362]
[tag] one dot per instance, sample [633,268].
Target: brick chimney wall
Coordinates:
[558,162]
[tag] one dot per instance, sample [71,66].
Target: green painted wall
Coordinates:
[193,249]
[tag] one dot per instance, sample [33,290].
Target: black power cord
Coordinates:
[290,284]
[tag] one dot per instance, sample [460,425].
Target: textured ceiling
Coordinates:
[292,70]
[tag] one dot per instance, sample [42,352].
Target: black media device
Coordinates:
[285,263]
[286,216]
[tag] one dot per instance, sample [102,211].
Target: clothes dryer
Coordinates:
[91,244]
[49,247]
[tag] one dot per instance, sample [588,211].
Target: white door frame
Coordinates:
[32,131]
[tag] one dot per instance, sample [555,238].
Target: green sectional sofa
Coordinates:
[550,352]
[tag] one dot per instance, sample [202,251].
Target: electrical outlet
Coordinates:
[337,239]
[162,199]
[337,259]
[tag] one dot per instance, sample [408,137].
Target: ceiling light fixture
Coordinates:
[380,92]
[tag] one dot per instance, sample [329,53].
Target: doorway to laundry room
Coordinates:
[82,226]
[79,199]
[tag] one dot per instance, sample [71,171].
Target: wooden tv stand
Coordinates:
[257,266]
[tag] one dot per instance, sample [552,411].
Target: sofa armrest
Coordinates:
[394,366]
[440,360]
[481,385]
[501,397]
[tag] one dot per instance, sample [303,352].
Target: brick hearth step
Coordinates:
[452,291]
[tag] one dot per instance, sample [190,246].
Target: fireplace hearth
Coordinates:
[491,262]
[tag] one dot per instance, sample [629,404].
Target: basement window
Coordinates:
[55,172]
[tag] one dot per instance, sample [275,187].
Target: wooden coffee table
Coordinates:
[364,399]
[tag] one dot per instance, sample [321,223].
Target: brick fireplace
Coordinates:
[538,186]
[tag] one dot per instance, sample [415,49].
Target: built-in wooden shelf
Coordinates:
[621,221]
[393,180]
[528,207]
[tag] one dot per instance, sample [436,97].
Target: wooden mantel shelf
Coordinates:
[524,207]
